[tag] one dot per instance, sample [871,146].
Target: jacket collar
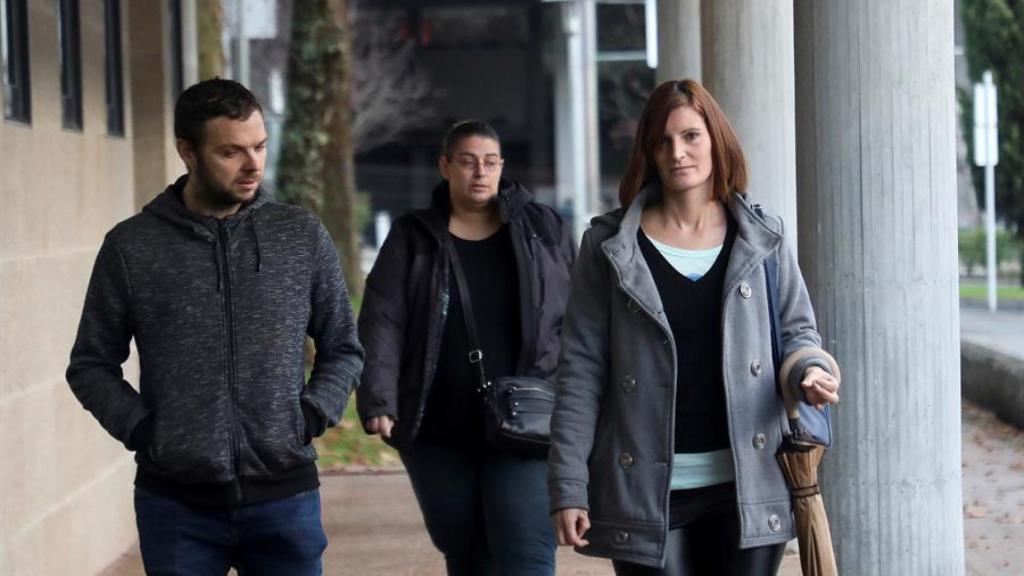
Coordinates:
[511,199]
[755,239]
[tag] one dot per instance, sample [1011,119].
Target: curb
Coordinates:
[1003,304]
[993,381]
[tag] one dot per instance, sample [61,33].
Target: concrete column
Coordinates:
[189,43]
[678,40]
[877,190]
[747,57]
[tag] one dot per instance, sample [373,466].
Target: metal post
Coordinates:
[572,22]
[991,267]
[591,136]
[990,144]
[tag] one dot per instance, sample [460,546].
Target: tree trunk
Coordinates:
[317,167]
[210,16]
[339,182]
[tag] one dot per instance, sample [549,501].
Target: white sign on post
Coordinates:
[986,153]
[986,139]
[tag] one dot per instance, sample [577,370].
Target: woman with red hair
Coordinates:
[667,417]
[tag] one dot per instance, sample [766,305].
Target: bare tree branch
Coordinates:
[392,95]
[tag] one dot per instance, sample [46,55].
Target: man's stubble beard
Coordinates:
[210,193]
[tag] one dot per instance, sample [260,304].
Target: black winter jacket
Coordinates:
[405,304]
[219,311]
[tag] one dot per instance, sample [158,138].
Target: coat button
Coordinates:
[626,460]
[745,290]
[755,367]
[774,523]
[628,383]
[621,537]
[632,306]
[759,441]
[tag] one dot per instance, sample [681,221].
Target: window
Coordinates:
[115,88]
[70,64]
[14,57]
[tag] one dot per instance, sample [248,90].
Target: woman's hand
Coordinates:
[570,526]
[820,387]
[380,425]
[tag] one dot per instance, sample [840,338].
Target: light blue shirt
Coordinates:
[702,469]
[693,264]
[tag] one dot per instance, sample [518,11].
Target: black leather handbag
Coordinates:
[517,409]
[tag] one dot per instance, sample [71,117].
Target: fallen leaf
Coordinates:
[975,512]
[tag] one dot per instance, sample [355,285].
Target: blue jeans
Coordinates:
[278,537]
[487,513]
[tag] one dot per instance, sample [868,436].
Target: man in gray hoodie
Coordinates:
[219,286]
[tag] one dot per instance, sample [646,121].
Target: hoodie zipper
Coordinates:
[229,322]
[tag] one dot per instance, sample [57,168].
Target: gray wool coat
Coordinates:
[612,429]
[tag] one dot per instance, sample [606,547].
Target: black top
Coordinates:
[694,312]
[454,413]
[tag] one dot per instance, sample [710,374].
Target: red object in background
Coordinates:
[426,32]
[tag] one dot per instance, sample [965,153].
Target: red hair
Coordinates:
[728,166]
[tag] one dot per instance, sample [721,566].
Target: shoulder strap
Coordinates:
[771,280]
[771,275]
[476,355]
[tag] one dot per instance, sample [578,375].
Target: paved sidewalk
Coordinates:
[374,526]
[993,494]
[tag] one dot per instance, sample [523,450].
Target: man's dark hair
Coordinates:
[466,129]
[207,100]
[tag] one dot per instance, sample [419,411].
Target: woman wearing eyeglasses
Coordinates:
[485,510]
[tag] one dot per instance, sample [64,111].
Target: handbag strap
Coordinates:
[476,355]
[771,276]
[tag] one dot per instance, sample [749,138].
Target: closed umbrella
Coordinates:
[799,464]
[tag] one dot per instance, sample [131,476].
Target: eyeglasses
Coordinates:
[491,164]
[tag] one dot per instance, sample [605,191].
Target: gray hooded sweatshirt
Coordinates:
[219,310]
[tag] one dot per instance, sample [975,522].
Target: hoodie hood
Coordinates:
[170,207]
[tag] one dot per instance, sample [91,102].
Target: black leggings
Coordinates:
[709,544]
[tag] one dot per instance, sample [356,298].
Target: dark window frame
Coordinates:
[69,26]
[114,67]
[17,85]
